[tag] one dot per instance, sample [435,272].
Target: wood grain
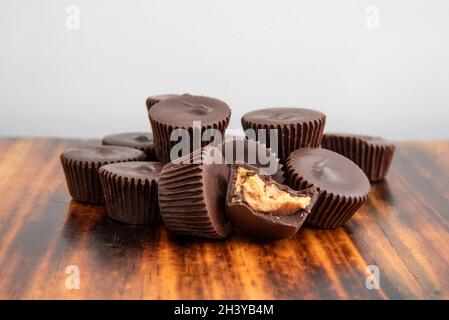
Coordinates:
[403,229]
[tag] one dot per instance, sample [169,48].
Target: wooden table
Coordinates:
[403,230]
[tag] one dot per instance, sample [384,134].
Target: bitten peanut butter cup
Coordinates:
[81,166]
[130,191]
[137,140]
[296,128]
[246,151]
[264,209]
[193,114]
[372,154]
[342,185]
[151,101]
[192,195]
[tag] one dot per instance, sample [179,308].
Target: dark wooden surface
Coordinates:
[403,229]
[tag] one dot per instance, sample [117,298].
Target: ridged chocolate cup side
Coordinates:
[373,158]
[191,198]
[290,136]
[162,132]
[83,180]
[330,210]
[132,201]
[151,154]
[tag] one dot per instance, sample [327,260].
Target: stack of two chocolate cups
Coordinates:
[81,165]
[190,203]
[131,189]
[192,187]
[117,176]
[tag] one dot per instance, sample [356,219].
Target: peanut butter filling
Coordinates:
[267,197]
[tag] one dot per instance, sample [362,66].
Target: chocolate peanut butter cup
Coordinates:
[130,191]
[296,128]
[243,150]
[81,166]
[342,185]
[137,140]
[264,209]
[193,114]
[192,193]
[372,154]
[151,101]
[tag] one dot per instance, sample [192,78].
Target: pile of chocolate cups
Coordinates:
[284,174]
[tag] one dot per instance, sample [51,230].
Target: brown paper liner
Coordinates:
[83,181]
[186,208]
[132,201]
[162,132]
[290,136]
[330,211]
[373,158]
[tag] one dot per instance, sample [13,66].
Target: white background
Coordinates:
[389,79]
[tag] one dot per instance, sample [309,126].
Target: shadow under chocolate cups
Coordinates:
[81,166]
[130,191]
[296,128]
[372,154]
[181,113]
[264,209]
[137,140]
[342,185]
[192,194]
[244,150]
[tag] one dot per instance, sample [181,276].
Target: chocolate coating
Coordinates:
[191,197]
[151,101]
[297,128]
[101,154]
[140,170]
[368,139]
[130,191]
[330,171]
[81,166]
[261,157]
[137,140]
[183,110]
[261,225]
[342,185]
[372,154]
[278,116]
